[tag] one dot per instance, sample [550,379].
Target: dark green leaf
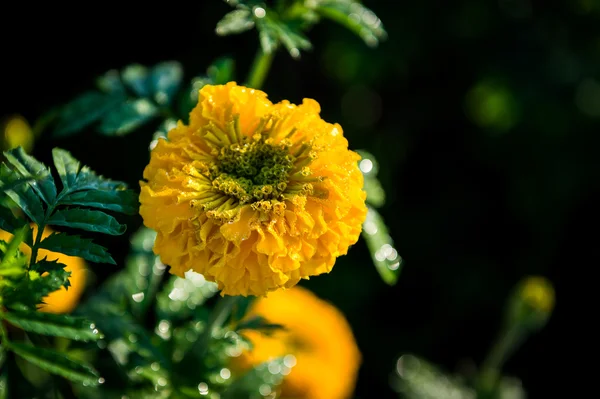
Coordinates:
[45,265]
[43,286]
[57,363]
[235,21]
[95,221]
[117,325]
[15,384]
[76,328]
[125,201]
[165,80]
[135,77]
[128,117]
[355,17]
[76,246]
[30,292]
[88,180]
[85,110]
[21,194]
[66,166]
[8,221]
[110,82]
[385,257]
[28,166]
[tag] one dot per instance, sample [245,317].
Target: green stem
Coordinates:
[504,346]
[217,319]
[260,68]
[3,332]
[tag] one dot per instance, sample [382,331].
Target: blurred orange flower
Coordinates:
[323,351]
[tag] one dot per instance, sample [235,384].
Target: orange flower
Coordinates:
[318,338]
[62,300]
[253,195]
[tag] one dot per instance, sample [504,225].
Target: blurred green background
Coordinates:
[484,117]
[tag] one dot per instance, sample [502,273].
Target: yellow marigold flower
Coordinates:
[324,354]
[252,195]
[62,300]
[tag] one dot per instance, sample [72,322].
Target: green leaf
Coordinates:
[76,246]
[292,40]
[128,117]
[110,82]
[85,110]
[235,21]
[57,363]
[28,166]
[11,256]
[221,70]
[8,221]
[135,77]
[375,192]
[31,291]
[369,167]
[417,379]
[268,35]
[15,384]
[355,17]
[75,328]
[66,166]
[385,257]
[77,178]
[124,201]
[119,326]
[95,221]
[47,266]
[145,271]
[165,80]
[21,194]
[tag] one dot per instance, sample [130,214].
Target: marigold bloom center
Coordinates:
[251,168]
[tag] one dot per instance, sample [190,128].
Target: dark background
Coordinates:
[482,189]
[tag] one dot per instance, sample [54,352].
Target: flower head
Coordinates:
[63,300]
[251,194]
[317,341]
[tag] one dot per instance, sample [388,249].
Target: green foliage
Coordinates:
[131,98]
[284,23]
[375,232]
[57,363]
[181,349]
[24,283]
[124,101]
